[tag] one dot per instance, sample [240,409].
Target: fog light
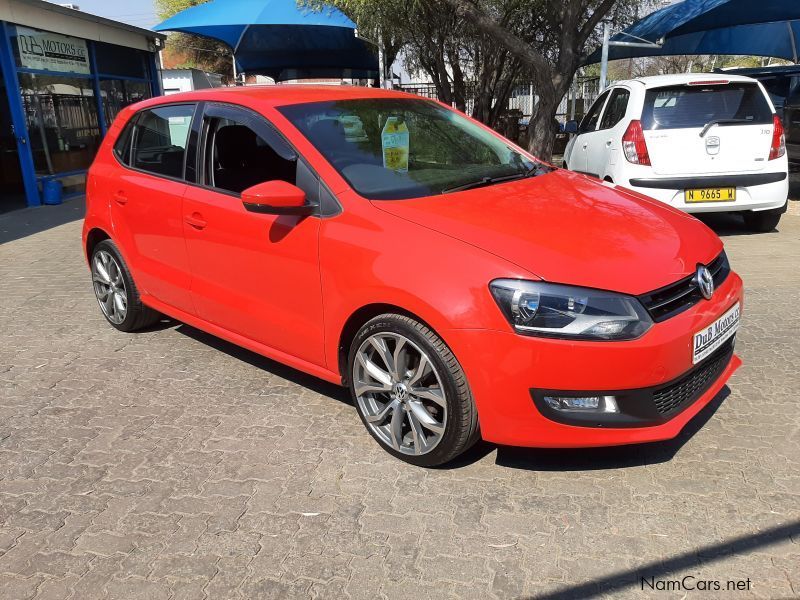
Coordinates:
[607,404]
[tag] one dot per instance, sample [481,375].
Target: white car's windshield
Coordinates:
[396,149]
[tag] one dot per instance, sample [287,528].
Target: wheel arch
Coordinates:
[358,319]
[94,237]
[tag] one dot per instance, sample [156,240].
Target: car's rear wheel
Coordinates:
[116,291]
[410,391]
[762,221]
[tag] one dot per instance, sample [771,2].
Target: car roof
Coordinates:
[277,95]
[683,79]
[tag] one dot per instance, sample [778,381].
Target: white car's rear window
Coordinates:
[686,107]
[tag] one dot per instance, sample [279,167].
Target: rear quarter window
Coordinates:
[122,147]
[688,107]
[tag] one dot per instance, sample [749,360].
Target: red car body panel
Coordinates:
[286,287]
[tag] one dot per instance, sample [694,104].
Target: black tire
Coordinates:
[763,221]
[461,426]
[137,315]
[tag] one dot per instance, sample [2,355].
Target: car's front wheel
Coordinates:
[762,221]
[410,391]
[116,291]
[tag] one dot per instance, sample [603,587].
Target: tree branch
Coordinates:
[594,20]
[517,46]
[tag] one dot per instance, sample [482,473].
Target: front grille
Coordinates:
[673,299]
[693,385]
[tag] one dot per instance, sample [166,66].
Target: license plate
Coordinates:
[712,337]
[711,195]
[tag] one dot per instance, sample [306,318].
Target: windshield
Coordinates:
[686,107]
[389,149]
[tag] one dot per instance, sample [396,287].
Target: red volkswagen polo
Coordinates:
[458,287]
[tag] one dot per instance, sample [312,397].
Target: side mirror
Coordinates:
[571,127]
[276,198]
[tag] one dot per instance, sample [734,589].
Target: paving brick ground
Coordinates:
[169,464]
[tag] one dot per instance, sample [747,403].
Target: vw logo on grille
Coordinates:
[705,281]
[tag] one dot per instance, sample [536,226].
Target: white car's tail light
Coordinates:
[634,145]
[778,147]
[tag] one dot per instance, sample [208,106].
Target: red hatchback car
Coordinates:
[459,287]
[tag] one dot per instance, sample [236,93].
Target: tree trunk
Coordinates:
[541,132]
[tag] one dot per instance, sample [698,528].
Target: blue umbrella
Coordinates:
[742,27]
[280,39]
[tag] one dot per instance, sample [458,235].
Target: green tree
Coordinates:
[200,52]
[550,39]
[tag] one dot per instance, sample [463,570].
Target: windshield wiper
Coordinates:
[537,169]
[710,124]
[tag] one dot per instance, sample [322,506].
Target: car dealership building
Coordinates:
[66,74]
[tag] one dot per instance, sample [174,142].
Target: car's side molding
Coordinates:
[677,183]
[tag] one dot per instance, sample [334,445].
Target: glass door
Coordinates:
[12,188]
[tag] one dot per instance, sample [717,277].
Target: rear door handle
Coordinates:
[121,198]
[196,220]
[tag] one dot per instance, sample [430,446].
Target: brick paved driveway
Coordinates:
[170,464]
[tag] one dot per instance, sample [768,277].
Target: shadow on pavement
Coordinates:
[21,223]
[667,568]
[591,459]
[260,362]
[531,459]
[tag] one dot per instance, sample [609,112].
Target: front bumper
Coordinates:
[503,367]
[760,191]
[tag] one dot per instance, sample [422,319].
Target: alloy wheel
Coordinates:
[400,393]
[109,286]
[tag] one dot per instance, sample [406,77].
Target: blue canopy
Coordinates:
[739,27]
[280,39]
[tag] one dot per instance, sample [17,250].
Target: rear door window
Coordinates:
[589,122]
[159,144]
[689,107]
[616,109]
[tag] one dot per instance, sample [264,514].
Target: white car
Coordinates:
[698,142]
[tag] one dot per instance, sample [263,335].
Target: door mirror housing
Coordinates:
[276,198]
[571,127]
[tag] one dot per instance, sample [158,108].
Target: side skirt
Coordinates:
[244,342]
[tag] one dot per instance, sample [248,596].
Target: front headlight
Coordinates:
[560,311]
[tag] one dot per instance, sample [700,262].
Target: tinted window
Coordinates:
[119,60]
[238,158]
[396,148]
[685,107]
[159,144]
[778,88]
[589,122]
[617,106]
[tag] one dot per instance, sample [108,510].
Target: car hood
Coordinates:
[568,228]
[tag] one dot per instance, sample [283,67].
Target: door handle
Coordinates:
[196,220]
[120,198]
[608,143]
[585,145]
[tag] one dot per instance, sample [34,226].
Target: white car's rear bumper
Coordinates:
[758,191]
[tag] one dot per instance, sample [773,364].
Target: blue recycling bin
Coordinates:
[52,192]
